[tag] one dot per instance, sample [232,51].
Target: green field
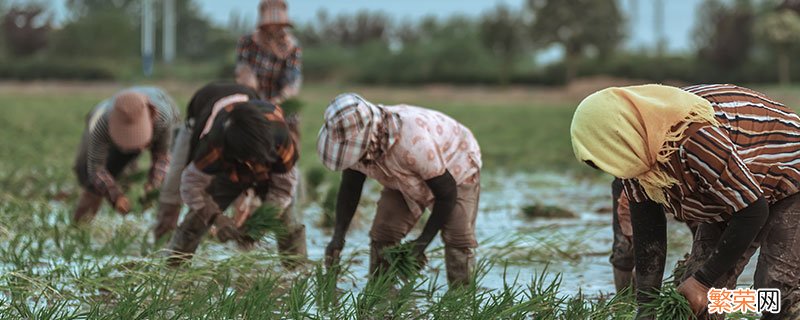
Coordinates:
[112,270]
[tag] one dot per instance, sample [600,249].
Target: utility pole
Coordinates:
[658,27]
[169,31]
[634,7]
[148,37]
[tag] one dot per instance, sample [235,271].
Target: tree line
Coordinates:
[734,41]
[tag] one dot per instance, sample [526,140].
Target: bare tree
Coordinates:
[26,29]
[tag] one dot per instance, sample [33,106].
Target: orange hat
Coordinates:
[273,12]
[129,123]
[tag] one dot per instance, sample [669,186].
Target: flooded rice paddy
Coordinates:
[516,248]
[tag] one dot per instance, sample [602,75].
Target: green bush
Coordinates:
[105,33]
[55,70]
[329,62]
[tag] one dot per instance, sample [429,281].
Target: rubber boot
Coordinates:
[88,205]
[167,220]
[622,279]
[292,247]
[187,238]
[377,263]
[460,264]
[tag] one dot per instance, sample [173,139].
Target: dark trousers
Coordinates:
[224,192]
[622,246]
[778,261]
[116,163]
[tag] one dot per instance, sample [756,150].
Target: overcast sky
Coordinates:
[679,15]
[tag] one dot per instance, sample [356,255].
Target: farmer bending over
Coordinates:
[241,144]
[117,131]
[720,155]
[423,159]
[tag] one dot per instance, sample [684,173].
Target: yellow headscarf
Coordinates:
[626,131]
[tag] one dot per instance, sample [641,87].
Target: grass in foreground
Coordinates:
[669,304]
[110,270]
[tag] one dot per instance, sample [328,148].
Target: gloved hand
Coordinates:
[226,229]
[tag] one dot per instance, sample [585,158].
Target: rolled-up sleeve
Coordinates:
[170,189]
[282,188]
[193,187]
[100,178]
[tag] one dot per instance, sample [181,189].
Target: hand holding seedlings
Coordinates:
[226,230]
[405,259]
[696,293]
[668,303]
[418,252]
[263,220]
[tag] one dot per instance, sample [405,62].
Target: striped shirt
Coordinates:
[277,78]
[755,152]
[166,116]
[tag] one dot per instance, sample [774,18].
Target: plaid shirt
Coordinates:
[352,125]
[210,160]
[277,78]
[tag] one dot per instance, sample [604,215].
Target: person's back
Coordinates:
[117,130]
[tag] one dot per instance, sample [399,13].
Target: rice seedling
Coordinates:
[668,303]
[402,261]
[680,270]
[149,198]
[326,294]
[263,221]
[538,210]
[328,218]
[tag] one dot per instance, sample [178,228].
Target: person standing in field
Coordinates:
[117,130]
[723,156]
[234,143]
[423,159]
[269,59]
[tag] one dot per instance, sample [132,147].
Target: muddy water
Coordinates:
[519,247]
